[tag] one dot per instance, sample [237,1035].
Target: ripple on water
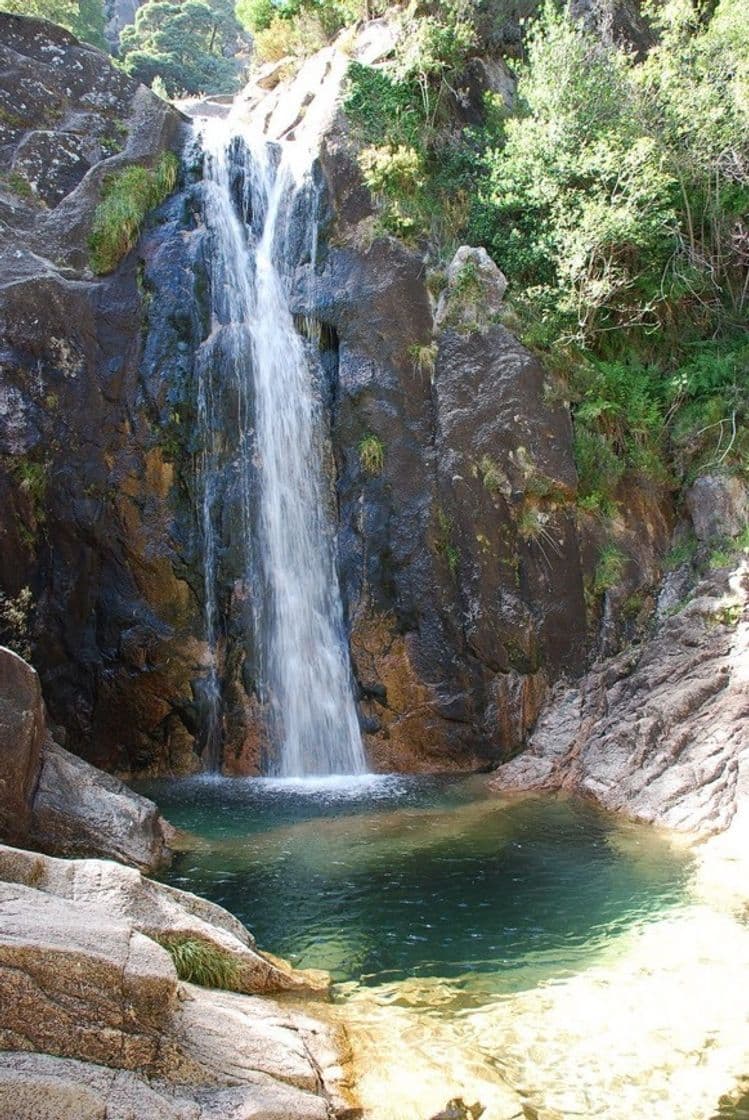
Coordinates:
[529,952]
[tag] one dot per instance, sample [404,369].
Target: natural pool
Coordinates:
[527,952]
[384,878]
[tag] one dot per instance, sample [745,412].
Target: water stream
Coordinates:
[288,530]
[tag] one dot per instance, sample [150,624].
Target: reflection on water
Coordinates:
[389,878]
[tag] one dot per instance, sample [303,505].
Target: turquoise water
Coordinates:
[383,878]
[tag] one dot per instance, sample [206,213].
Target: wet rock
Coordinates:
[88,489]
[658,732]
[718,506]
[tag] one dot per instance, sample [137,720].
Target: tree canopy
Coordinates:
[85,18]
[190,46]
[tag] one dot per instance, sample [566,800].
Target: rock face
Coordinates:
[87,489]
[94,1020]
[58,802]
[718,506]
[462,565]
[22,735]
[658,732]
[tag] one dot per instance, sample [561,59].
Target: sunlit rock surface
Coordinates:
[83,979]
[659,732]
[158,911]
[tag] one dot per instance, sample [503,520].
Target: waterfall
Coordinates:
[288,530]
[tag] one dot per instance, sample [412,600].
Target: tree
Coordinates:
[64,12]
[89,23]
[190,46]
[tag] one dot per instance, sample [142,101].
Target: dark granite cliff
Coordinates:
[465,565]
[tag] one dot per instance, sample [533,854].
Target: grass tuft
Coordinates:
[424,357]
[197,962]
[128,196]
[372,455]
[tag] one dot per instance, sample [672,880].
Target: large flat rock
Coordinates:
[94,1021]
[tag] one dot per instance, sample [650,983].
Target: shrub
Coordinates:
[424,356]
[371,455]
[609,570]
[444,542]
[126,200]
[197,962]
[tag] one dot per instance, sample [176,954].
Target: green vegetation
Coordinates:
[15,622]
[85,18]
[371,454]
[424,357]
[728,551]
[297,28]
[444,542]
[189,47]
[127,198]
[19,185]
[197,962]
[614,197]
[609,569]
[493,477]
[729,615]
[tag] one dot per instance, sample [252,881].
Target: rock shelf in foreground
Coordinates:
[94,1020]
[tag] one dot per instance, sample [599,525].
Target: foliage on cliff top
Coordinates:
[126,200]
[189,46]
[614,196]
[85,18]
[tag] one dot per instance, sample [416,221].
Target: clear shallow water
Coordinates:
[378,879]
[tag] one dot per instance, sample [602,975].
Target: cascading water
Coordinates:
[298,613]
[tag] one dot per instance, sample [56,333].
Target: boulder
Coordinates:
[157,911]
[57,801]
[22,735]
[81,811]
[718,506]
[474,291]
[78,983]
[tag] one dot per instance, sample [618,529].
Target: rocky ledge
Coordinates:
[95,1021]
[52,800]
[659,731]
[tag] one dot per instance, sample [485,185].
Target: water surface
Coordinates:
[379,879]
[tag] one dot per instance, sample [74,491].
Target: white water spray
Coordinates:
[299,620]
